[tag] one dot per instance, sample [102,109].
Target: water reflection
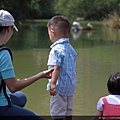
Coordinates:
[77,29]
[76,34]
[100,33]
[113,34]
[89,34]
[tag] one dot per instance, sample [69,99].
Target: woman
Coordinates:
[7,75]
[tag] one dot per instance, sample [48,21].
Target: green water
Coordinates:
[97,57]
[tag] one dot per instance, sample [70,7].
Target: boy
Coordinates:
[62,58]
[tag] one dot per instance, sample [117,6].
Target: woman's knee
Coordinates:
[18,98]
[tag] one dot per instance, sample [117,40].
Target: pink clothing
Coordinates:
[110,109]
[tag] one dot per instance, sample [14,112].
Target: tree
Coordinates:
[28,9]
[17,8]
[89,9]
[45,9]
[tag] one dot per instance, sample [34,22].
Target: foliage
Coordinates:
[16,8]
[45,9]
[89,9]
[112,21]
[28,9]
[71,9]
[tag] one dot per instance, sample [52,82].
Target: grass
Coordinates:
[38,20]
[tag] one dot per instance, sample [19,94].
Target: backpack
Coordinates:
[3,85]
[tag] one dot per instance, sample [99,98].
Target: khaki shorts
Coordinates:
[61,106]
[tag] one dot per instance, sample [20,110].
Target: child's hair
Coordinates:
[59,23]
[114,84]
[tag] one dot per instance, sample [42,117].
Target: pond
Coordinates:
[97,58]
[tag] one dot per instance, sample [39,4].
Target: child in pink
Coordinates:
[110,104]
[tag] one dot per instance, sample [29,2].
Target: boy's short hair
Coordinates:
[59,23]
[113,84]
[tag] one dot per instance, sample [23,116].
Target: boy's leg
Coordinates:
[68,118]
[18,98]
[69,108]
[58,105]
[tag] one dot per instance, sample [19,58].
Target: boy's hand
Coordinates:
[53,89]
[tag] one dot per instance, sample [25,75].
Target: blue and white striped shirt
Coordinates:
[62,54]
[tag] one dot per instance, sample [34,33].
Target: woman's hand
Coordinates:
[47,73]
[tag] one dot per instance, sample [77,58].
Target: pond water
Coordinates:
[97,58]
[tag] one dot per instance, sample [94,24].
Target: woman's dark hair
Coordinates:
[113,84]
[2,28]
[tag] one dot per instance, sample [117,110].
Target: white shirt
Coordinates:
[111,99]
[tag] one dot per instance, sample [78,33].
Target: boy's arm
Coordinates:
[55,75]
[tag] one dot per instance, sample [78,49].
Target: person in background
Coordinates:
[110,105]
[8,82]
[62,58]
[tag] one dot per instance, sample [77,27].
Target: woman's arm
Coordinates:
[15,85]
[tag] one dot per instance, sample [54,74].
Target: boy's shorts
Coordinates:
[61,106]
